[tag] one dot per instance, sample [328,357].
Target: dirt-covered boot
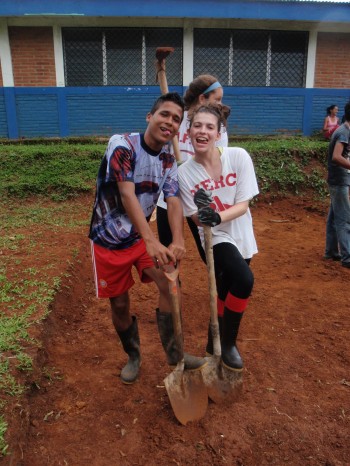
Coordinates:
[131,343]
[229,353]
[210,347]
[167,337]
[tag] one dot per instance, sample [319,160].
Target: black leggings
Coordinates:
[164,232]
[232,272]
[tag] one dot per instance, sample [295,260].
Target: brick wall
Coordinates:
[332,61]
[32,56]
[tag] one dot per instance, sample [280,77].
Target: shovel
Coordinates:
[222,384]
[186,390]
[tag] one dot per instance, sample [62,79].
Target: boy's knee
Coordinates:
[119,304]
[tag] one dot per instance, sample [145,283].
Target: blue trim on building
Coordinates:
[11,112]
[101,111]
[224,9]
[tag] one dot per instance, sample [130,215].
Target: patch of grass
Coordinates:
[283,166]
[60,170]
[3,429]
[37,213]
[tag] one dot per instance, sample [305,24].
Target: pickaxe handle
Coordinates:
[163,84]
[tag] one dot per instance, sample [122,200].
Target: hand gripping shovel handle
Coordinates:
[214,322]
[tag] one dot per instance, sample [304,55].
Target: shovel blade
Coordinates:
[223,385]
[187,394]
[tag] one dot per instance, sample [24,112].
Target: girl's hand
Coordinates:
[208,216]
[202,198]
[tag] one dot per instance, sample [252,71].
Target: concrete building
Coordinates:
[84,68]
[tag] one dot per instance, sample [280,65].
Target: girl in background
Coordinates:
[331,122]
[203,89]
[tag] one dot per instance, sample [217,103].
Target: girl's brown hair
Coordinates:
[220,111]
[196,88]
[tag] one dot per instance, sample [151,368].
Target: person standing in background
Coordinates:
[338,221]
[331,122]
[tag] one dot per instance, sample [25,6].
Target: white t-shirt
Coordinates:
[237,184]
[186,148]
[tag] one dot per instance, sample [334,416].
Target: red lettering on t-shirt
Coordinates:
[229,180]
[184,137]
[219,206]
[219,183]
[207,185]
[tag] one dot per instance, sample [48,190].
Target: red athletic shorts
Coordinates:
[112,268]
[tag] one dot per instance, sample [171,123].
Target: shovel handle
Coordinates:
[172,277]
[214,322]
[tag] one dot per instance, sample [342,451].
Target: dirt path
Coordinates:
[295,405]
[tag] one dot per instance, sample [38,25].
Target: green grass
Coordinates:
[3,429]
[60,170]
[286,166]
[40,185]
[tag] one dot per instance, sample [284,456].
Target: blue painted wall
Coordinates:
[3,118]
[248,9]
[101,111]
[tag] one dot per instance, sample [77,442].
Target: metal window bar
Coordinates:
[104,60]
[268,62]
[230,62]
[143,65]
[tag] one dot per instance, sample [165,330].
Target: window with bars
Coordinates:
[252,58]
[119,56]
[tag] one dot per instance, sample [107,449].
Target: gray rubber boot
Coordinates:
[166,333]
[131,343]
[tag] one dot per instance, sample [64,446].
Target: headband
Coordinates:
[212,87]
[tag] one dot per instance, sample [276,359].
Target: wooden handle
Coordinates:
[214,322]
[161,74]
[163,84]
[172,274]
[176,313]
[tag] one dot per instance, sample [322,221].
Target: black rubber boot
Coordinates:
[166,333]
[229,352]
[210,348]
[131,343]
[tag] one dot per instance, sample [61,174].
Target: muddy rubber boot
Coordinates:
[131,343]
[229,353]
[210,348]
[167,337]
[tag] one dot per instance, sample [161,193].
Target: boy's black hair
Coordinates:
[169,97]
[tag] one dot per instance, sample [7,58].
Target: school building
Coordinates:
[83,68]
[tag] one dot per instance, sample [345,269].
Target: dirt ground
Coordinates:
[295,404]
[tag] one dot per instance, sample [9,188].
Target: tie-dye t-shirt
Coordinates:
[128,158]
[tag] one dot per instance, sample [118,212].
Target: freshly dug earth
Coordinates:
[295,404]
